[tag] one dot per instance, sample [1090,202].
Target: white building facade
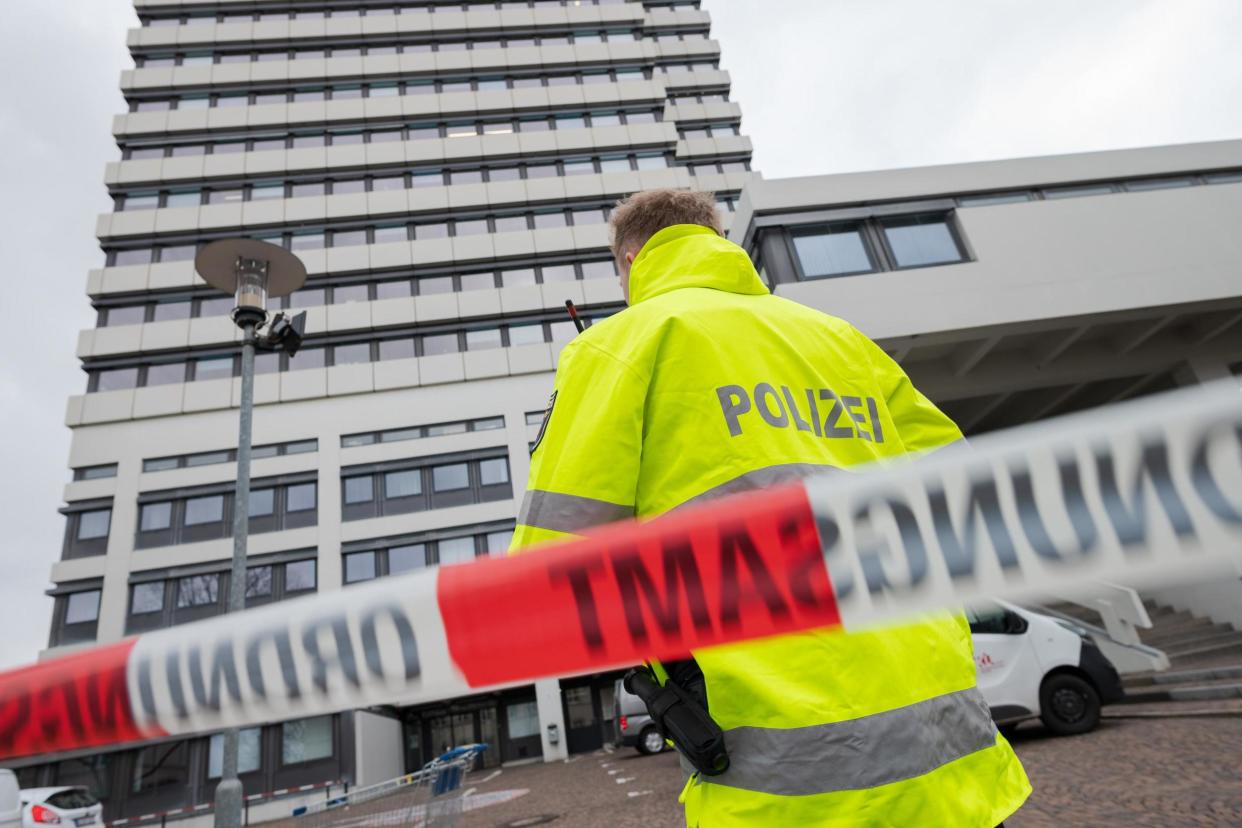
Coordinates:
[445,171]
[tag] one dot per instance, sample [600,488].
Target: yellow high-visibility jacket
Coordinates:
[709,385]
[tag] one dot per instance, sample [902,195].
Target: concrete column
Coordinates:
[548,699]
[123,528]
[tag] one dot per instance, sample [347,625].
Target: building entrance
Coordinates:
[587,703]
[496,719]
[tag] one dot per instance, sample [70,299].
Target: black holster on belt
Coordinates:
[679,709]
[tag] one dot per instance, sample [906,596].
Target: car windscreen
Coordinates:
[72,798]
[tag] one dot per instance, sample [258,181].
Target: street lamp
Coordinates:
[253,271]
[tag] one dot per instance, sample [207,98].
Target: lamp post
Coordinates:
[253,271]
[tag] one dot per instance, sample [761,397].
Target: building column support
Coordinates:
[551,720]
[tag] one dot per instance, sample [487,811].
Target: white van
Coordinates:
[1030,666]
[1027,666]
[10,800]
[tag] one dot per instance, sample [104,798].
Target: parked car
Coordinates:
[10,800]
[71,807]
[632,725]
[1029,665]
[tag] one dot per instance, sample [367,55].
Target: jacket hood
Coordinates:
[690,255]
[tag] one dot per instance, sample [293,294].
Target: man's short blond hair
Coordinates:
[642,215]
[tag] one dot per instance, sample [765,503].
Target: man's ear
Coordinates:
[629,258]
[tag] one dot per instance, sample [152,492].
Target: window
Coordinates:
[1158,184]
[834,251]
[299,576]
[354,354]
[300,497]
[116,379]
[525,335]
[360,566]
[306,740]
[200,510]
[450,478]
[213,368]
[919,241]
[359,489]
[455,550]
[155,516]
[249,752]
[403,483]
[198,591]
[598,270]
[262,502]
[147,598]
[403,559]
[493,472]
[82,607]
[95,472]
[126,315]
[558,273]
[482,340]
[259,582]
[994,198]
[94,524]
[1077,192]
[497,543]
[440,344]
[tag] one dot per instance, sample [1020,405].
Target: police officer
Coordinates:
[707,385]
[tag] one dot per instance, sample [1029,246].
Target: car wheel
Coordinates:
[1069,705]
[650,741]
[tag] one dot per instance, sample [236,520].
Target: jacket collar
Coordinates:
[690,255]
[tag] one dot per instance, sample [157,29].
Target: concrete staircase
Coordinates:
[1205,659]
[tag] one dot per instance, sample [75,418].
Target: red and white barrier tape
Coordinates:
[1140,493]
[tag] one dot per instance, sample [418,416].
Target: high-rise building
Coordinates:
[445,171]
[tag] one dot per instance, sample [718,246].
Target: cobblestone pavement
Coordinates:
[1162,773]
[1140,772]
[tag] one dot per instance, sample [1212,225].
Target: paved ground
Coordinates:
[1141,772]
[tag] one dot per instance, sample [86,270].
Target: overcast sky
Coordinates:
[825,86]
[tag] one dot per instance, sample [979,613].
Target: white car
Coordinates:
[1030,665]
[10,800]
[69,807]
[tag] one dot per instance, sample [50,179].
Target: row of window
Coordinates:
[208,57]
[351,12]
[212,458]
[355,91]
[354,235]
[202,458]
[311,138]
[423,483]
[189,517]
[269,190]
[397,435]
[319,293]
[177,774]
[401,557]
[1133,185]
[166,602]
[849,247]
[319,239]
[99,472]
[391,347]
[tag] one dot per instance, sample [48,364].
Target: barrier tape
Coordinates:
[1143,492]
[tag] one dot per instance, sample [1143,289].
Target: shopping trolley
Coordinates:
[427,798]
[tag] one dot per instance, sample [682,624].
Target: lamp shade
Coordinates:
[236,266]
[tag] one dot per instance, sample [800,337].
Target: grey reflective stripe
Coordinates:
[762,478]
[859,753]
[568,513]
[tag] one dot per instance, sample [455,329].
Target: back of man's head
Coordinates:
[639,217]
